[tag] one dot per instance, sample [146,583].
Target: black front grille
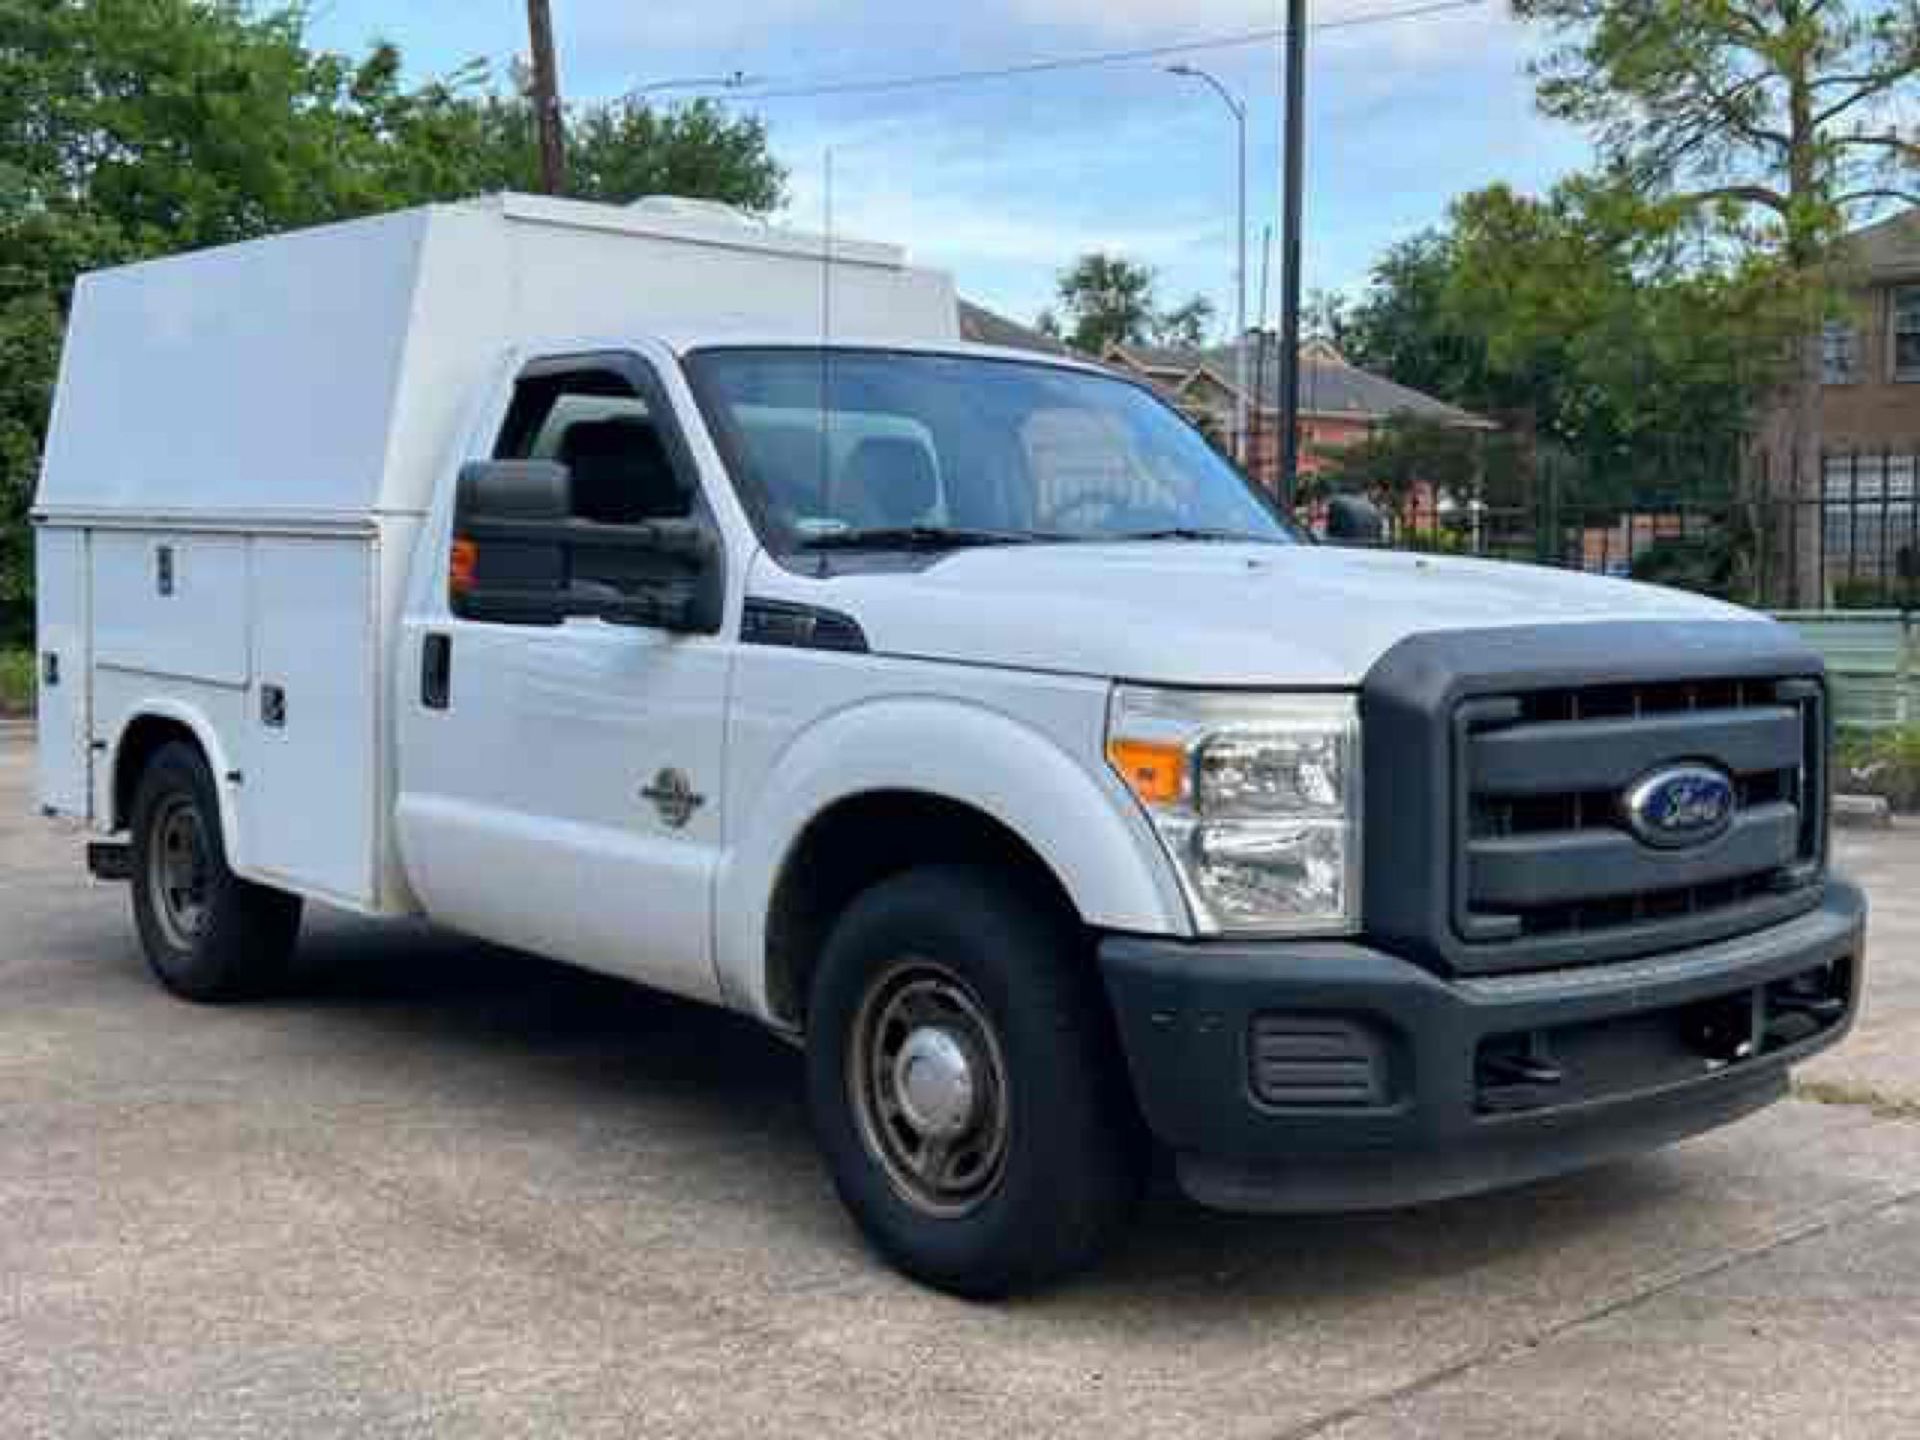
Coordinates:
[1496,762]
[1548,857]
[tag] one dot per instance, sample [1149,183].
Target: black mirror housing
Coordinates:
[509,490]
[509,563]
[1355,520]
[521,558]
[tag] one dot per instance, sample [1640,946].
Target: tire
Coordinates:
[209,936]
[953,961]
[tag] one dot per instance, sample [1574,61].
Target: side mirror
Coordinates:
[520,557]
[512,490]
[509,562]
[1355,520]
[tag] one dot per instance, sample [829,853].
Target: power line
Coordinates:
[1239,40]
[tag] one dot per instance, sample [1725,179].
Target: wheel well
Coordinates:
[858,842]
[144,739]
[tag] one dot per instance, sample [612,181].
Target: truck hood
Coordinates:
[1215,614]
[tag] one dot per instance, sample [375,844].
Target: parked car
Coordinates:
[682,599]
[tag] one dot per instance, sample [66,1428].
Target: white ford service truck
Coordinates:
[682,599]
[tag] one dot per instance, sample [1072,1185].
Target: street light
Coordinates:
[1239,110]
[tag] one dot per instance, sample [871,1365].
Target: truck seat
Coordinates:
[889,481]
[621,473]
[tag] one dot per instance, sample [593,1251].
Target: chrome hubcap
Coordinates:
[934,1079]
[929,1088]
[177,874]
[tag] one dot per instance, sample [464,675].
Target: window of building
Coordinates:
[1906,332]
[1839,353]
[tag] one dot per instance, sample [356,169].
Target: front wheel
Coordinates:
[965,1084]
[208,934]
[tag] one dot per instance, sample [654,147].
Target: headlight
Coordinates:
[1256,798]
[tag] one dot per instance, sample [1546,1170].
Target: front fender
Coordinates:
[1081,822]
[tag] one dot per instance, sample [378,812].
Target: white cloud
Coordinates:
[955,230]
[1005,182]
[1375,27]
[713,28]
[962,193]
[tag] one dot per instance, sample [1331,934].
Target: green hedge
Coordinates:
[1881,762]
[16,682]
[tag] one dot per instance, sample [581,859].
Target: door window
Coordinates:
[607,421]
[608,436]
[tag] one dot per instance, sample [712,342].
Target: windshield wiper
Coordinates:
[1192,532]
[918,537]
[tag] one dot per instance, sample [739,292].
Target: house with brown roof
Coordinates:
[1340,403]
[987,327]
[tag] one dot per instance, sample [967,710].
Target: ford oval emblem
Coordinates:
[1680,805]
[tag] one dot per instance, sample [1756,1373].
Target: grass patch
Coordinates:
[16,682]
[1880,762]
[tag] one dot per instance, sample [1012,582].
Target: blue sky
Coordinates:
[1004,182]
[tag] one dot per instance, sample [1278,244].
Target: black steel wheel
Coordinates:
[966,1086]
[208,934]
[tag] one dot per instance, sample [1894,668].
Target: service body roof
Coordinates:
[327,373]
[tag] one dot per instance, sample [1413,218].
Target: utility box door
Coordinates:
[171,603]
[65,746]
[308,783]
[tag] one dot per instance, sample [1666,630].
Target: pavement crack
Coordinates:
[1821,1223]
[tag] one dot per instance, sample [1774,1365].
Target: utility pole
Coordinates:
[1293,182]
[546,99]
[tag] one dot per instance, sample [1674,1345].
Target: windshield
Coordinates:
[839,449]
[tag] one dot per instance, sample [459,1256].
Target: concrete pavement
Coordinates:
[444,1189]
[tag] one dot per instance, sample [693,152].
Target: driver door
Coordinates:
[561,789]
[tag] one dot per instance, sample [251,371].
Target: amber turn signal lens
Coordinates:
[1153,772]
[461,564]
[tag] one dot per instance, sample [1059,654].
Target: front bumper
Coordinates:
[1424,1109]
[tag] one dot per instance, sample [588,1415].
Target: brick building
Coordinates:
[1871,354]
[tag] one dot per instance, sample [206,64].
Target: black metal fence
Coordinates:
[1847,537]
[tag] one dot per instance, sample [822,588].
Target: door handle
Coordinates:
[436,671]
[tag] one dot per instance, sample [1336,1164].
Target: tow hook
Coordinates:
[1512,1080]
[1724,1031]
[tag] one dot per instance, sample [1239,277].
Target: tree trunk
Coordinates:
[1793,534]
[1788,512]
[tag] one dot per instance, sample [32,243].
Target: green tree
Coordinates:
[1404,327]
[1107,300]
[1110,300]
[1594,324]
[621,151]
[1628,336]
[1783,120]
[1186,325]
[1328,316]
[133,128]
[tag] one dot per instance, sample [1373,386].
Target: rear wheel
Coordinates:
[965,1084]
[208,935]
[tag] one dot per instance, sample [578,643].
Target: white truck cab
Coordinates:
[682,599]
